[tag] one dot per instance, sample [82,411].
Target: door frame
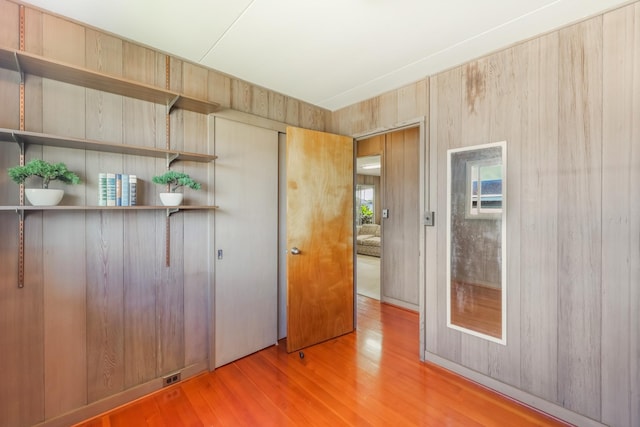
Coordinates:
[424,178]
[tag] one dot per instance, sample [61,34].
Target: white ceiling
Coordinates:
[369,165]
[330,53]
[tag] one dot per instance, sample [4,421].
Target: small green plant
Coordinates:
[366,215]
[176,180]
[45,170]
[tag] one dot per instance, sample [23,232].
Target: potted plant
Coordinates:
[44,196]
[174,180]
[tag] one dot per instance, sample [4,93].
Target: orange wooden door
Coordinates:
[320,291]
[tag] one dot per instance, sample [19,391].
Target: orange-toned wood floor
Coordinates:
[370,377]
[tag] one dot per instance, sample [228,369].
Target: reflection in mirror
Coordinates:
[476,240]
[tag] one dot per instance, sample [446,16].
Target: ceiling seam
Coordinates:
[213,46]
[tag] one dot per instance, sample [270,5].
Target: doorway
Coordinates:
[368,217]
[389,172]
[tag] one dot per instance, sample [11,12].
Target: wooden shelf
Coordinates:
[17,136]
[20,210]
[28,63]
[106,208]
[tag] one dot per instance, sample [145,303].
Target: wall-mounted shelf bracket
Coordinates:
[19,67]
[171,157]
[18,140]
[171,104]
[171,211]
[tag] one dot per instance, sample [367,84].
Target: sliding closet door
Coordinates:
[246,234]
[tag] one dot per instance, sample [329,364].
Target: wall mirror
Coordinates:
[476,240]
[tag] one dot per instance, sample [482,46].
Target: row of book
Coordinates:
[117,189]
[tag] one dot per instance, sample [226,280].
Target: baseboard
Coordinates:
[515,393]
[400,303]
[127,396]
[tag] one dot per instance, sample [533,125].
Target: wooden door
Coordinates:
[320,291]
[400,236]
[246,272]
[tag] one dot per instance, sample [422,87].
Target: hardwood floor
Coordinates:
[371,377]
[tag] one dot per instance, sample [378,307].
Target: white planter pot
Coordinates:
[171,199]
[44,196]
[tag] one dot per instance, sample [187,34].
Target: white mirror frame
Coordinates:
[503,339]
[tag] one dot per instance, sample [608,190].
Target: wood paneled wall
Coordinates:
[567,103]
[100,315]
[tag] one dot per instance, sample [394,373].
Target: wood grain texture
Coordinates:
[371,146]
[64,235]
[372,377]
[21,310]
[170,278]
[198,226]
[621,39]
[580,236]
[433,256]
[320,286]
[508,123]
[219,89]
[246,305]
[399,263]
[538,223]
[449,107]
[388,106]
[104,231]
[475,122]
[141,127]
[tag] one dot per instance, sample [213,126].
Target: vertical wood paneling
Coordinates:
[240,95]
[21,314]
[433,256]
[140,127]
[9,28]
[538,223]
[449,105]
[33,85]
[105,287]
[293,112]
[579,218]
[219,89]
[634,233]
[388,107]
[170,279]
[197,226]
[621,85]
[277,107]
[64,233]
[634,244]
[260,101]
[509,119]
[476,121]
[413,101]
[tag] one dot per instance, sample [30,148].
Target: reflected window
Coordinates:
[365,203]
[484,189]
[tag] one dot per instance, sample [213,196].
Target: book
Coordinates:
[133,193]
[125,190]
[118,189]
[111,189]
[102,189]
